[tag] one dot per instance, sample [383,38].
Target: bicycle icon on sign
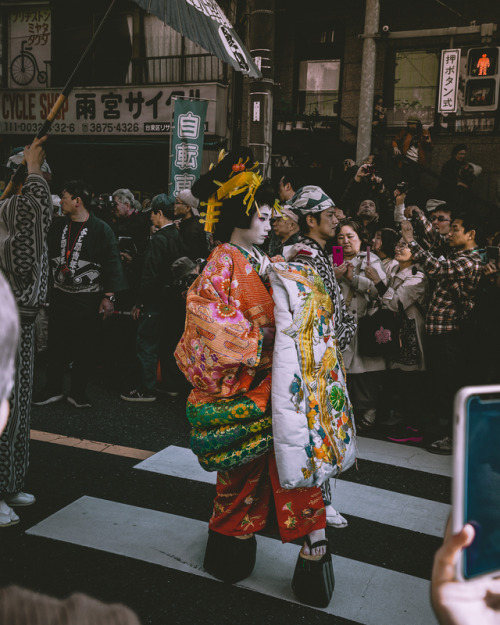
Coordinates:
[24,67]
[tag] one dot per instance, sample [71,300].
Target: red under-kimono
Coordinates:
[221,355]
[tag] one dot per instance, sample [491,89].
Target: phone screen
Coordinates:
[337,255]
[482,484]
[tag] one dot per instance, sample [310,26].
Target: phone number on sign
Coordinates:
[122,127]
[36,126]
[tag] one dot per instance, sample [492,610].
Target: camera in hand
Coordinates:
[402,187]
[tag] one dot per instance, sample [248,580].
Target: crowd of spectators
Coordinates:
[433,263]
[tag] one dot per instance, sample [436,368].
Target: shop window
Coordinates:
[415,86]
[172,58]
[319,88]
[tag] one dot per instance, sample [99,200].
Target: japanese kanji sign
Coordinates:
[29,47]
[448,81]
[120,111]
[187,143]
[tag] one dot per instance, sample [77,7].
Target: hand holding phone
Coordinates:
[461,603]
[337,255]
[476,484]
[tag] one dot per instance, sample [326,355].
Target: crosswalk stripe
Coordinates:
[405,456]
[364,593]
[367,502]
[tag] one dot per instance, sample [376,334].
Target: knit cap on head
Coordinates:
[310,199]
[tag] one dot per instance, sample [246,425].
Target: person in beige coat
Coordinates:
[364,373]
[407,289]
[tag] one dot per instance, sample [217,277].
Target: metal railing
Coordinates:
[178,69]
[154,70]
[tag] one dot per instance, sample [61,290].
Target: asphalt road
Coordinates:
[385,541]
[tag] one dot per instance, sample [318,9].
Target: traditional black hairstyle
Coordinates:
[229,194]
[235,215]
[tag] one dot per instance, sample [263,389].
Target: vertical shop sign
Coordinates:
[448,81]
[187,143]
[29,47]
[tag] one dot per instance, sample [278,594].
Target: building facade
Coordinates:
[303,114]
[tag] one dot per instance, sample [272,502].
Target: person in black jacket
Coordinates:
[86,274]
[368,201]
[192,232]
[158,312]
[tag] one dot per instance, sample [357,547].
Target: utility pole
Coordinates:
[367,89]
[260,114]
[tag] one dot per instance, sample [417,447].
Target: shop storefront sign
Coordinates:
[113,111]
[29,47]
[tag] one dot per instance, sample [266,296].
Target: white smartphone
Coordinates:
[476,479]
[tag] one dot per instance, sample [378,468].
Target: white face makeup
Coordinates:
[260,227]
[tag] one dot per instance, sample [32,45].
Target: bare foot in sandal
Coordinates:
[308,548]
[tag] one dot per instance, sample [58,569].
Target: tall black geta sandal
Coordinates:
[313,580]
[228,558]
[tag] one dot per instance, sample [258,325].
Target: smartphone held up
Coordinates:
[337,255]
[476,479]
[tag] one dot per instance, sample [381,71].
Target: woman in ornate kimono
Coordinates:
[226,354]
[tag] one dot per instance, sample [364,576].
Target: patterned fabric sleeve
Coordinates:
[221,348]
[24,224]
[456,267]
[431,238]
[26,219]
[345,324]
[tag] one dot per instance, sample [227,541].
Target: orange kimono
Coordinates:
[221,354]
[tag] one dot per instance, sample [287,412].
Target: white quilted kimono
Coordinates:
[313,431]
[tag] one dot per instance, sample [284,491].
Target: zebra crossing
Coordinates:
[366,592]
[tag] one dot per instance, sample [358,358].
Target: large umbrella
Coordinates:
[204,22]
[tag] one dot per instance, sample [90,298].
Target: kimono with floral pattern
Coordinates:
[221,353]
